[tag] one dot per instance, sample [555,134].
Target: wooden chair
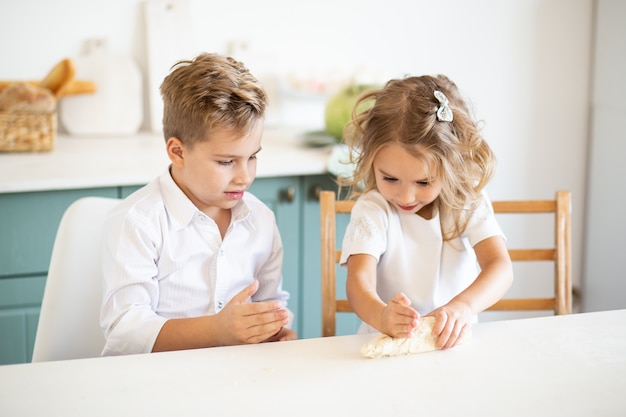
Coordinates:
[560,254]
[330,255]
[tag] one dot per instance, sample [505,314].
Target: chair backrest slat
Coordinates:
[560,254]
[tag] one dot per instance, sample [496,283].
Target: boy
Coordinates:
[185,255]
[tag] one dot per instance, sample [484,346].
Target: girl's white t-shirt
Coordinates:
[412,256]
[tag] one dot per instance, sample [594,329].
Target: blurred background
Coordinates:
[546,76]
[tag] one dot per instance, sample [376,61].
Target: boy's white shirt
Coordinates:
[163,258]
[412,257]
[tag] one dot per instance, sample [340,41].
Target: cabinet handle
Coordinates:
[288,194]
[315,191]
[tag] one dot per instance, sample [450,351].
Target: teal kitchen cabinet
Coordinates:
[20,299]
[283,196]
[28,224]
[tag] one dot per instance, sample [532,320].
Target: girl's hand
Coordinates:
[451,321]
[398,318]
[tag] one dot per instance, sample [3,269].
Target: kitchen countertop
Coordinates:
[89,162]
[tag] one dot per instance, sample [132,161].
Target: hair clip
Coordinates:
[444,114]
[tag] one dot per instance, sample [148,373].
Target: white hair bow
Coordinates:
[444,114]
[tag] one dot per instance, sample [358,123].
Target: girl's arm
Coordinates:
[494,280]
[397,319]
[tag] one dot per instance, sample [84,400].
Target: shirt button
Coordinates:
[220,305]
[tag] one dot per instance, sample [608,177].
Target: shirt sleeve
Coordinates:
[130,293]
[269,273]
[483,223]
[366,231]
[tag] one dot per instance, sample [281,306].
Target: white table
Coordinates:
[555,366]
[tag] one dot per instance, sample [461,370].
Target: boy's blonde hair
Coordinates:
[405,112]
[207,93]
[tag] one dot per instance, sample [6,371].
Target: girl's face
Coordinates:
[215,173]
[404,180]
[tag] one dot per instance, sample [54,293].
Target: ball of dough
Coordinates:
[421,341]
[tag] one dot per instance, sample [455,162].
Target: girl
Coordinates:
[422,237]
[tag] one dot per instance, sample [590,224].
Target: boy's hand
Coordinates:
[398,318]
[284,334]
[244,322]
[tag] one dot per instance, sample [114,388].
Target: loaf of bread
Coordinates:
[23,97]
[73,88]
[59,77]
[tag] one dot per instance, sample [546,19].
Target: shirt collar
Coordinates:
[180,208]
[241,211]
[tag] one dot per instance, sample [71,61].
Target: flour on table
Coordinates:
[421,341]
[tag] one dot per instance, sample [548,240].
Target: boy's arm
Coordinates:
[269,274]
[238,322]
[127,319]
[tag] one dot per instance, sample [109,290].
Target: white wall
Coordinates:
[524,63]
[604,285]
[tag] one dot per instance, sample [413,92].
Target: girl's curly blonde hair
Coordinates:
[405,112]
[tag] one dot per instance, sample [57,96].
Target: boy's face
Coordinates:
[214,173]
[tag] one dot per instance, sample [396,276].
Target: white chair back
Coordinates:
[68,325]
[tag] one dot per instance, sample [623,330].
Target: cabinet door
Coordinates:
[20,301]
[347,323]
[282,195]
[127,190]
[29,223]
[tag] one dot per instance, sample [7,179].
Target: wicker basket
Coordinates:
[27,132]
